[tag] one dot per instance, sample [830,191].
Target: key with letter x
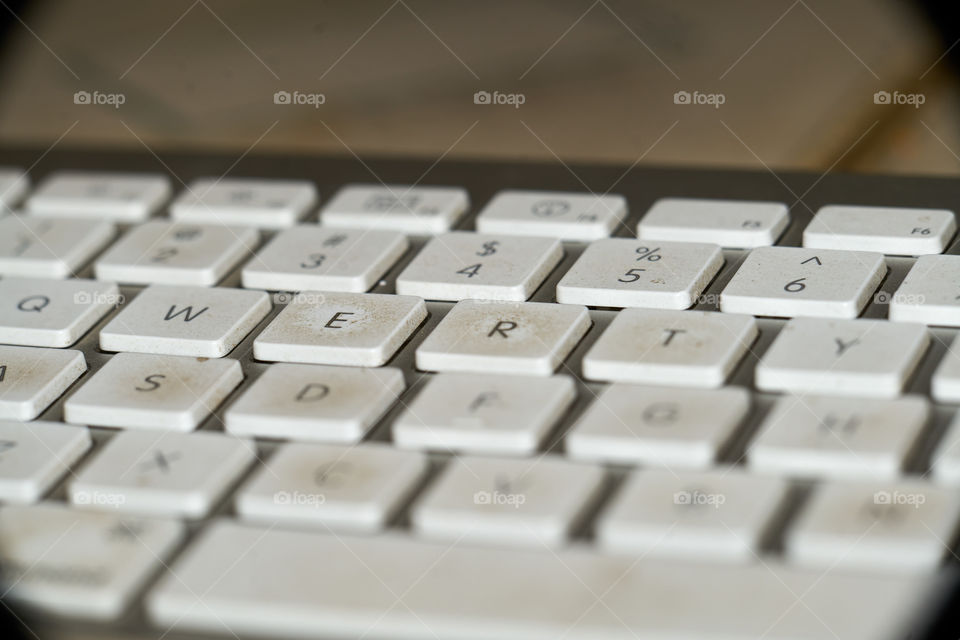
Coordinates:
[787,282]
[185,321]
[521,337]
[842,357]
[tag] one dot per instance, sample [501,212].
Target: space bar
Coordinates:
[245,580]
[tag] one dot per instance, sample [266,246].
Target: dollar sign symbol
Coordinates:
[489,248]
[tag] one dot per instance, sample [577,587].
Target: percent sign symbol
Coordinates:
[646,253]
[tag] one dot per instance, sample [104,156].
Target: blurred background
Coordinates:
[857,85]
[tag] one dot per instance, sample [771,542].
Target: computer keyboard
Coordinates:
[319,397]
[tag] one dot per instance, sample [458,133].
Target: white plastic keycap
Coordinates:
[416,210]
[14,184]
[718,515]
[311,258]
[161,473]
[674,348]
[185,321]
[890,230]
[332,488]
[49,247]
[929,293]
[66,562]
[270,204]
[788,282]
[531,338]
[870,358]
[34,456]
[40,312]
[620,272]
[945,383]
[355,329]
[463,592]
[31,379]
[658,426]
[553,214]
[740,224]
[160,252]
[896,526]
[117,197]
[314,402]
[460,265]
[534,502]
[484,413]
[945,460]
[140,391]
[828,437]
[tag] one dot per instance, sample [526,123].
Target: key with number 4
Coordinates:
[460,265]
[620,272]
[788,282]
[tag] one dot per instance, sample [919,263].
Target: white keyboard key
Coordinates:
[534,502]
[140,391]
[945,460]
[740,224]
[482,413]
[904,526]
[49,247]
[891,230]
[314,402]
[14,184]
[31,379]
[34,456]
[356,329]
[153,473]
[945,383]
[460,265]
[311,258]
[332,487]
[160,252]
[415,210]
[553,214]
[349,586]
[270,204]
[816,436]
[678,348]
[621,272]
[929,293]
[871,358]
[720,515]
[788,282]
[654,426]
[90,565]
[39,312]
[521,337]
[185,321]
[117,197]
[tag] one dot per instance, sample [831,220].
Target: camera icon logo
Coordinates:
[681,97]
[281,97]
[81,497]
[682,497]
[281,497]
[882,497]
[482,97]
[81,97]
[482,497]
[882,97]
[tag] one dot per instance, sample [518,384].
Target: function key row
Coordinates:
[427,210]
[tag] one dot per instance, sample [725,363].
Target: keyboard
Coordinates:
[331,398]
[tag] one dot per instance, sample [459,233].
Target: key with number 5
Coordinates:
[622,272]
[788,282]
